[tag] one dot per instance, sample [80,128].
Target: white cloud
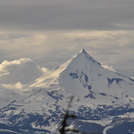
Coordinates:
[23,70]
[44,69]
[109,68]
[132,77]
[6,63]
[6,66]
[81,34]
[16,86]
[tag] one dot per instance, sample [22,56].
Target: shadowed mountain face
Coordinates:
[103,102]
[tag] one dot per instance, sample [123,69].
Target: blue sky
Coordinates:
[52,31]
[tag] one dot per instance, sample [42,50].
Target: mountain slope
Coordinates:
[86,78]
[102,99]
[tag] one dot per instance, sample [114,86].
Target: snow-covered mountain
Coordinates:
[103,100]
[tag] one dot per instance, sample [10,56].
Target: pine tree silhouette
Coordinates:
[63,129]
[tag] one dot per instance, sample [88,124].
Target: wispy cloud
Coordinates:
[15,86]
[109,68]
[50,48]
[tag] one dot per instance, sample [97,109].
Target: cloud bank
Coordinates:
[49,49]
[18,72]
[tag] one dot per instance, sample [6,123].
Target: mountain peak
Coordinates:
[85,54]
[83,51]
